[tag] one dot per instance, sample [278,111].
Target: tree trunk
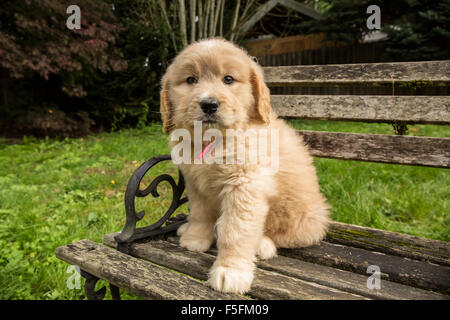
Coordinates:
[221,19]
[200,19]
[182,15]
[207,9]
[162,4]
[211,19]
[235,19]
[216,16]
[192,6]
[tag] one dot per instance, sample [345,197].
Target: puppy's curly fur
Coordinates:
[249,214]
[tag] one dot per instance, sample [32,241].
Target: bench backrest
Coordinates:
[424,109]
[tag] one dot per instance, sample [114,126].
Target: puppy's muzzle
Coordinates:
[209,105]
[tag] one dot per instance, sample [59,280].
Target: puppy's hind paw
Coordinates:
[266,249]
[199,245]
[232,280]
[181,229]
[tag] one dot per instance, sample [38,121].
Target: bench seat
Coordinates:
[150,263]
[158,268]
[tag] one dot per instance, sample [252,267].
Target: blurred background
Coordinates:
[79,112]
[105,76]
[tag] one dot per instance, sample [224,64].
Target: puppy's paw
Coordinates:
[266,249]
[227,279]
[195,244]
[181,229]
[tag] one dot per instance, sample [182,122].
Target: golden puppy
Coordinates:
[247,212]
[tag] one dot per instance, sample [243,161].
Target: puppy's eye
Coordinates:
[191,80]
[228,80]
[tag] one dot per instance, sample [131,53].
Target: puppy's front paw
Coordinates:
[227,279]
[195,244]
[266,249]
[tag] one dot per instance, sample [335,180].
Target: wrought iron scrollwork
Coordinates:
[89,288]
[130,233]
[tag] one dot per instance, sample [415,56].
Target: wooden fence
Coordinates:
[358,53]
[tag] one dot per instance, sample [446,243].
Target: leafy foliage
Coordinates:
[56,81]
[417,29]
[426,33]
[131,97]
[34,39]
[108,70]
[344,20]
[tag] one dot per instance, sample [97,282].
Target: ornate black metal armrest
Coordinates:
[130,233]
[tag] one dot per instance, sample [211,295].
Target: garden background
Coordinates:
[79,111]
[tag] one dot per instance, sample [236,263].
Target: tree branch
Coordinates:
[162,5]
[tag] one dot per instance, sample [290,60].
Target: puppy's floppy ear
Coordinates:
[165,107]
[261,94]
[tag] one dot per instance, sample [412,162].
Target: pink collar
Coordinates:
[201,155]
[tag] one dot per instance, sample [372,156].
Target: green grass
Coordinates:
[56,192]
[375,128]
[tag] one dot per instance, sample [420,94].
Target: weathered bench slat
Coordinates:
[134,275]
[347,281]
[408,150]
[414,109]
[390,242]
[339,279]
[402,270]
[266,285]
[426,72]
[160,251]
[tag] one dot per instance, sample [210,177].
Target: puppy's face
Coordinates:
[215,82]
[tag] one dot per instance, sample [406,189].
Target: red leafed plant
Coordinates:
[34,40]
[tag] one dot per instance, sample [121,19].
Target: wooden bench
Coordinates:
[340,267]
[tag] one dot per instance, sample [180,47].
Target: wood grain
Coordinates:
[134,275]
[413,109]
[171,254]
[424,151]
[346,281]
[266,284]
[393,243]
[414,273]
[427,72]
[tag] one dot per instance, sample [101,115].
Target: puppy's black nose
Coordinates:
[209,105]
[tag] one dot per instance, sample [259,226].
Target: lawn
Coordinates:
[53,192]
